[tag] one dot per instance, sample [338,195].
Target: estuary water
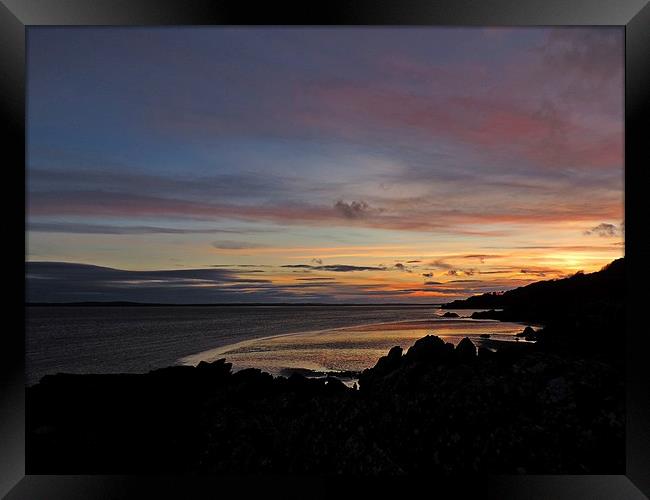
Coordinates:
[137,339]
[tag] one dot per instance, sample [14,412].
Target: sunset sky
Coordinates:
[320,164]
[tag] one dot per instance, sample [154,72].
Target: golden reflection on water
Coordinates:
[351,348]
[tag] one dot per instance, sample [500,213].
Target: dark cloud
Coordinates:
[338,268]
[440,290]
[451,269]
[401,267]
[316,261]
[70,282]
[343,268]
[541,271]
[427,275]
[100,202]
[552,247]
[605,230]
[480,257]
[79,228]
[326,285]
[241,265]
[235,245]
[457,272]
[440,264]
[413,261]
[126,179]
[352,210]
[533,272]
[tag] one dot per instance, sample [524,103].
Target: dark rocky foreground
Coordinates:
[435,409]
[552,406]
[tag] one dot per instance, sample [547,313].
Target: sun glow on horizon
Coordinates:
[316,165]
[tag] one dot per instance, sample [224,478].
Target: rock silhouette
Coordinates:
[433,409]
[554,406]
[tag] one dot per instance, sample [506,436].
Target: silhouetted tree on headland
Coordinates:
[544,300]
[584,311]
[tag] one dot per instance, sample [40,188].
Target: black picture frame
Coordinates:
[17,15]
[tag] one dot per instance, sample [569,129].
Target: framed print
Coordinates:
[354,247]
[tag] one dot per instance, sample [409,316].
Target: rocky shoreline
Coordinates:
[433,409]
[551,405]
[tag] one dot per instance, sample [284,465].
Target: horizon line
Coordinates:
[222,304]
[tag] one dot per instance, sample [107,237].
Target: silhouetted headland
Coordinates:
[551,406]
[578,295]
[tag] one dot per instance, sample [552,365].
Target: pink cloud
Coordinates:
[540,133]
[554,105]
[98,203]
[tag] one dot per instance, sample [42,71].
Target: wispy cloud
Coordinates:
[337,268]
[365,147]
[72,282]
[81,228]
[541,271]
[235,245]
[440,264]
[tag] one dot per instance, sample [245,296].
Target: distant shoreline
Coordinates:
[226,304]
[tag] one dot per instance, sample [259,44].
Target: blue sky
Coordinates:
[187,148]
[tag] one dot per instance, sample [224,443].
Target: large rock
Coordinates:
[529,334]
[252,378]
[527,331]
[427,349]
[485,353]
[491,314]
[392,361]
[334,385]
[217,370]
[465,350]
[217,367]
[395,354]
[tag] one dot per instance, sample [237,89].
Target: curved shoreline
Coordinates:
[209,355]
[213,354]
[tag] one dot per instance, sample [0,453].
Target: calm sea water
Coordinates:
[139,339]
